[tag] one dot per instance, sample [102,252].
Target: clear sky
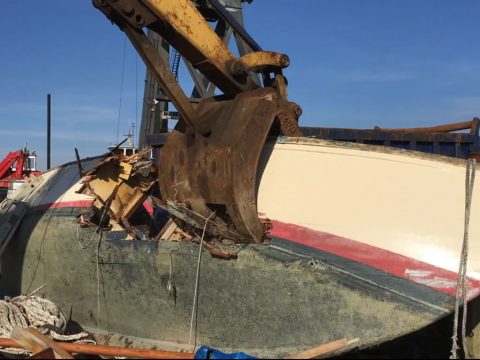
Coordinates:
[354,63]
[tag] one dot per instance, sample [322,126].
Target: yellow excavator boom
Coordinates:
[209,162]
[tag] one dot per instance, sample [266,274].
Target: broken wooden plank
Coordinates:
[114,176]
[219,253]
[196,220]
[126,170]
[322,350]
[35,342]
[44,354]
[167,230]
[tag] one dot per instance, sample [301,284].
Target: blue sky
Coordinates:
[354,63]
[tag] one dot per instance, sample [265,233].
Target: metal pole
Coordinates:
[49,129]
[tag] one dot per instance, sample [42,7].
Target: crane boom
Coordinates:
[15,166]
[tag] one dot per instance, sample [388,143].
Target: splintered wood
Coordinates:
[37,343]
[124,183]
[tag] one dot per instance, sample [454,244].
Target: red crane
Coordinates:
[17,165]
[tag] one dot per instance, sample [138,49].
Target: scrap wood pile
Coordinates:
[120,185]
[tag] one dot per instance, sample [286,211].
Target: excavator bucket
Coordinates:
[217,170]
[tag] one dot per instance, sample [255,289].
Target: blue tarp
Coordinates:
[206,353]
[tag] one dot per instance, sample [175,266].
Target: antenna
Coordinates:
[131,134]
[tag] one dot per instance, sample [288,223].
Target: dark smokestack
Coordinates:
[49,129]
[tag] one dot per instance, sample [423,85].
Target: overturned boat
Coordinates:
[365,243]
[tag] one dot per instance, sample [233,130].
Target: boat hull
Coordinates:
[308,287]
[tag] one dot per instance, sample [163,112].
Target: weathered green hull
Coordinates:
[267,302]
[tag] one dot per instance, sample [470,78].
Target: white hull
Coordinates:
[405,202]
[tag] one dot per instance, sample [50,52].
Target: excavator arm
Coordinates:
[209,162]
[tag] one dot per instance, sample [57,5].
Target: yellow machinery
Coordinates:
[209,162]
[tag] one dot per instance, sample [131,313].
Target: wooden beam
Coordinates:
[322,350]
[103,350]
[35,342]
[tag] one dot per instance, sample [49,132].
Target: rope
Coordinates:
[461,294]
[195,295]
[39,313]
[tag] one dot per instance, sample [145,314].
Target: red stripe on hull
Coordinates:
[66,204]
[414,270]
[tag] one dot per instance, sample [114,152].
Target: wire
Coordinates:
[121,87]
[136,97]
[461,294]
[195,295]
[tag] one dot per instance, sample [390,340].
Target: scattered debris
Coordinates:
[84,222]
[52,348]
[196,220]
[168,230]
[265,221]
[129,180]
[38,313]
[217,252]
[122,185]
[191,221]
